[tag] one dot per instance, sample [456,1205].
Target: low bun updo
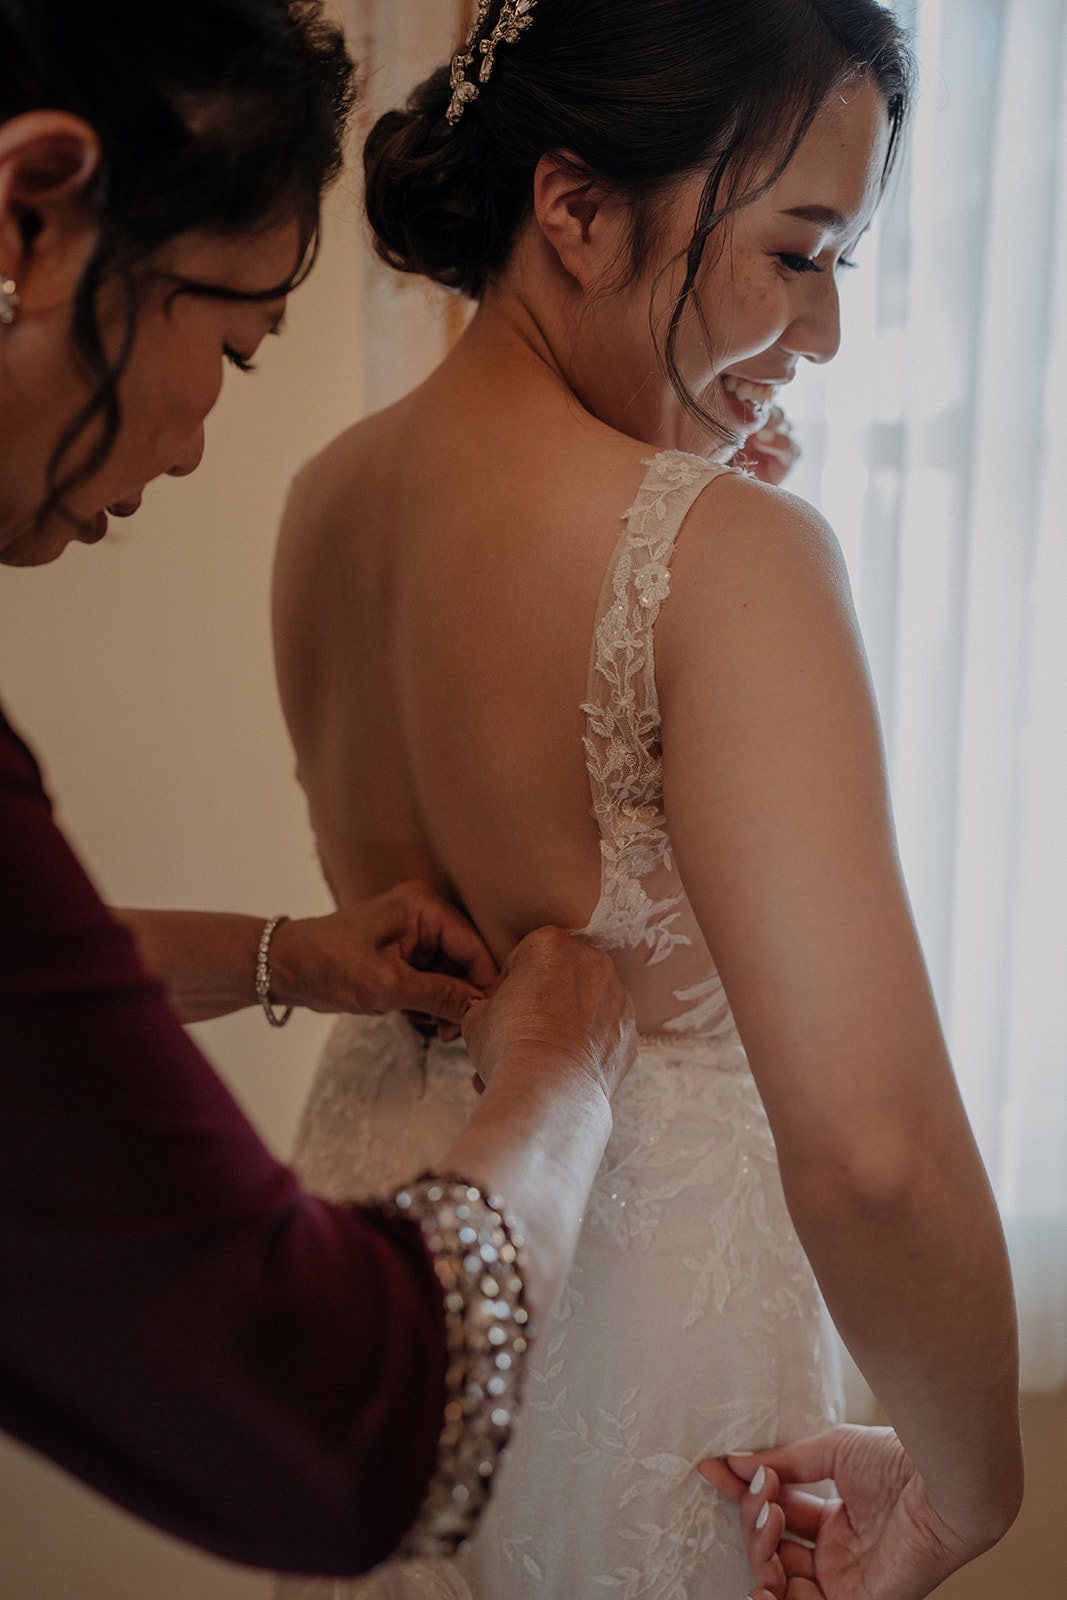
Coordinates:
[641,92]
[439,198]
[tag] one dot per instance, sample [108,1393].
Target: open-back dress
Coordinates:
[691,1324]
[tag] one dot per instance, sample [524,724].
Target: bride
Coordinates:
[540,646]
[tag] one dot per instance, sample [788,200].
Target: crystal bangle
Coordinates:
[263,975]
[477,1255]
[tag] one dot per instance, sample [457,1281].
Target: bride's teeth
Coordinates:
[755,394]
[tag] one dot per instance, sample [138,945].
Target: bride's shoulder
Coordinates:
[345,467]
[324,538]
[756,532]
[754,567]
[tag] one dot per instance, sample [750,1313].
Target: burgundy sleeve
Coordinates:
[182,1326]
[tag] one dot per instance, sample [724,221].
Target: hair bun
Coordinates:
[427,191]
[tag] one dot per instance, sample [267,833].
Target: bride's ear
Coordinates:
[582,222]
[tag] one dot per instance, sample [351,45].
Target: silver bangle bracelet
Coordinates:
[263,974]
[477,1255]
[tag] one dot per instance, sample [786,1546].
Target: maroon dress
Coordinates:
[181,1325]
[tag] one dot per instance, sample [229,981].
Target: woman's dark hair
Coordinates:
[212,114]
[641,92]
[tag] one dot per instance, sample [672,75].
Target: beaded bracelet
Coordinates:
[477,1255]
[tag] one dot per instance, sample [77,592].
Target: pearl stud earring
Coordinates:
[9,301]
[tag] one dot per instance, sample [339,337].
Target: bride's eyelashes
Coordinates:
[797,263]
[800,263]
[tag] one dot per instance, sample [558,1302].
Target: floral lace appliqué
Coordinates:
[622,741]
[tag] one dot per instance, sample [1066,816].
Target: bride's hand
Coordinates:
[881,1539]
[772,453]
[407,950]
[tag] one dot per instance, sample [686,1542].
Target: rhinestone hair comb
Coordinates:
[515,17]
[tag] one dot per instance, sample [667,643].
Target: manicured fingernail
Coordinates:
[758,1480]
[732,1454]
[761,1520]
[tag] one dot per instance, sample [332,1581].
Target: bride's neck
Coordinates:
[512,321]
[598,348]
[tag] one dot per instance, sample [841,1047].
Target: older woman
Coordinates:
[285,1382]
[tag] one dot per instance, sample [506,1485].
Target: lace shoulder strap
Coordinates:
[622,703]
[622,738]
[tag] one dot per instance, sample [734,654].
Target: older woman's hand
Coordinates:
[560,1005]
[880,1539]
[551,1048]
[406,950]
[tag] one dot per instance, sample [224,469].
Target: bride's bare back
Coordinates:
[436,590]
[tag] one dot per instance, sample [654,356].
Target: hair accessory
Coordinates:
[263,974]
[9,301]
[512,23]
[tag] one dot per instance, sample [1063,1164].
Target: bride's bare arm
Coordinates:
[775,785]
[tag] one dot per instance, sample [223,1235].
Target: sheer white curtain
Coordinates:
[935,444]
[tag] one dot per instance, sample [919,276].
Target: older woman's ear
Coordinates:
[48,160]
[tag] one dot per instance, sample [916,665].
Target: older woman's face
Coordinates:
[171,382]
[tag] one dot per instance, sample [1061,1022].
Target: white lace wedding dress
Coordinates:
[691,1324]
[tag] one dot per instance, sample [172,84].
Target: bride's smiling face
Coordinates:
[768,287]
